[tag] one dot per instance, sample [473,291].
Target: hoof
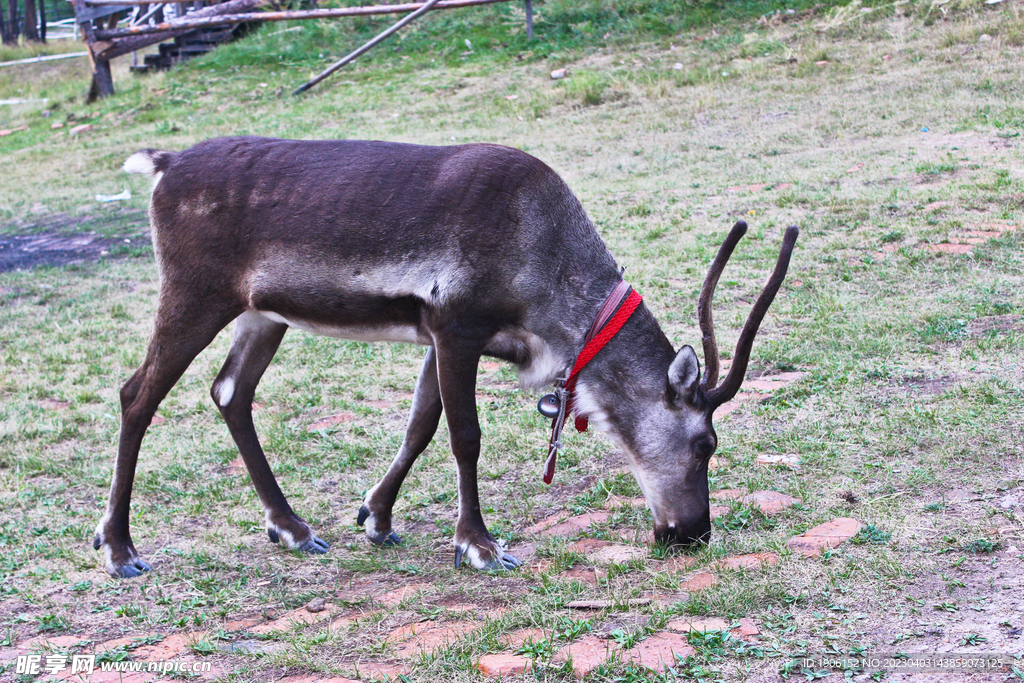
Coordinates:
[390,541]
[274,538]
[314,546]
[505,563]
[364,512]
[502,561]
[134,568]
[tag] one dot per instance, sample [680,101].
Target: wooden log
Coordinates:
[194,21]
[102,81]
[137,42]
[352,56]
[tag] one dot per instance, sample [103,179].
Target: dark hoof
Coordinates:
[389,541]
[96,542]
[363,514]
[135,568]
[273,536]
[505,563]
[314,546]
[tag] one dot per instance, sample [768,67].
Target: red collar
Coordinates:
[622,301]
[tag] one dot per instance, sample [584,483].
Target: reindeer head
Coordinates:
[664,418]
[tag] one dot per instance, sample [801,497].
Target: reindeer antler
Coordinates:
[718,395]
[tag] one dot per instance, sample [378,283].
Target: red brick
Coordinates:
[495,665]
[171,647]
[591,575]
[719,510]
[426,637]
[746,629]
[574,525]
[946,248]
[587,654]
[676,563]
[699,582]
[381,671]
[751,561]
[616,501]
[49,642]
[516,639]
[398,595]
[769,502]
[330,421]
[824,536]
[548,522]
[617,554]
[295,618]
[586,545]
[728,494]
[687,624]
[787,460]
[658,652]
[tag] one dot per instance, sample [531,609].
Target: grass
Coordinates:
[907,419]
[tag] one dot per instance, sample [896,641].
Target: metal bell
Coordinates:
[549,405]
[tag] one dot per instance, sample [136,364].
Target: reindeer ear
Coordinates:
[684,373]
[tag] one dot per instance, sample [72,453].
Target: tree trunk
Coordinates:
[12,23]
[3,28]
[28,25]
[42,21]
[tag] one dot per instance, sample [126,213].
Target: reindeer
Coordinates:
[469,250]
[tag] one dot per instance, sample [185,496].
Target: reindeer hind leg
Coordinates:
[255,342]
[178,337]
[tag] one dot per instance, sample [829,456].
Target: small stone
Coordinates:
[55,126]
[495,665]
[559,73]
[316,605]
[678,66]
[83,128]
[984,38]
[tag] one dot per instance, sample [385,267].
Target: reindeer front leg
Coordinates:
[457,361]
[379,501]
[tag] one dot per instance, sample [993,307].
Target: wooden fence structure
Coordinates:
[99,23]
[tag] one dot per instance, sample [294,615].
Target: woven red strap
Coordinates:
[590,349]
[603,337]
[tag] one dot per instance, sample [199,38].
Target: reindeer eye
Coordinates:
[703,447]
